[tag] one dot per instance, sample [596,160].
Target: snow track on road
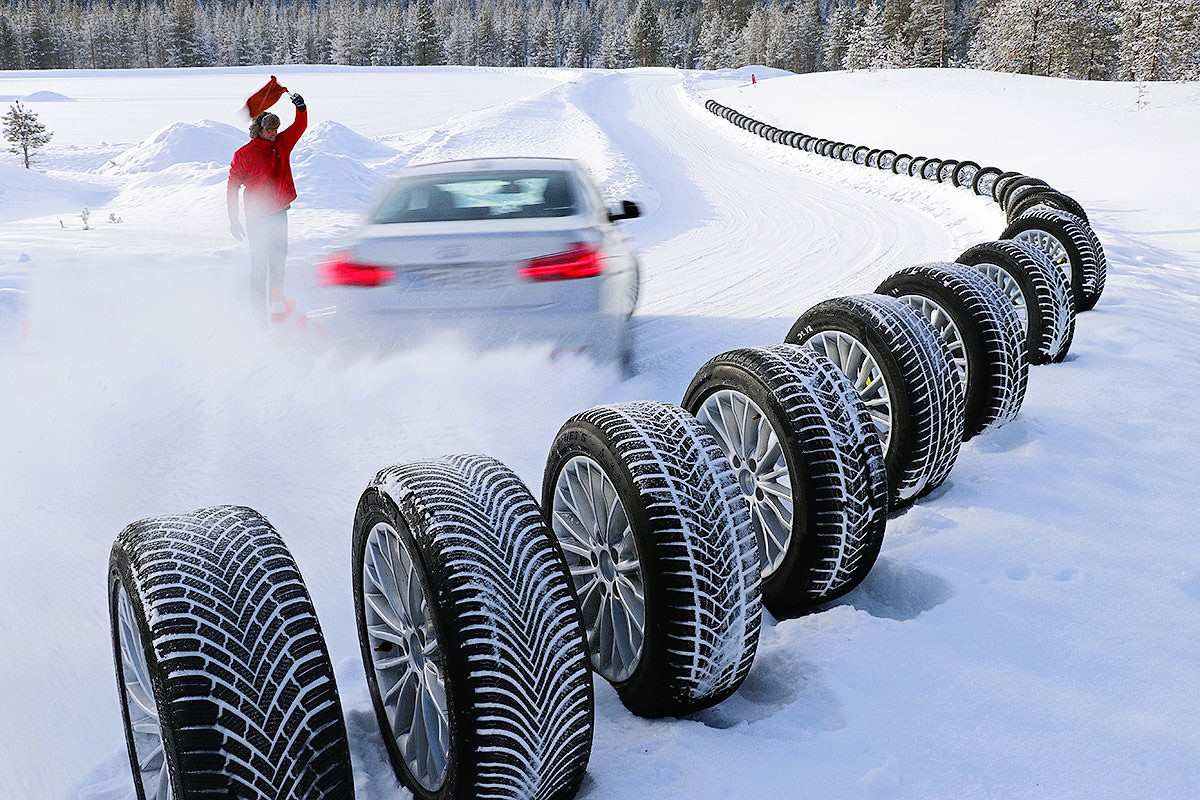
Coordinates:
[755,235]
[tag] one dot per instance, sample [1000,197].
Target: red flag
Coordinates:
[265,97]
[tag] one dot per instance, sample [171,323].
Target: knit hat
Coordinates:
[265,121]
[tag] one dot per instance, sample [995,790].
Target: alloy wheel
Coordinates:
[754,451]
[152,774]
[593,529]
[406,656]
[857,363]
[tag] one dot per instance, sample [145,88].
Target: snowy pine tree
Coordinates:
[925,33]
[866,46]
[645,36]
[24,133]
[837,38]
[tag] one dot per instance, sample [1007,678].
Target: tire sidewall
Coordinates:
[641,690]
[120,573]
[374,508]
[777,591]
[898,453]
[979,367]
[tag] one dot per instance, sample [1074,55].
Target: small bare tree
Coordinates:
[24,132]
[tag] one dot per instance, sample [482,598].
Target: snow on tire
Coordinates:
[809,462]
[659,541]
[860,154]
[1014,184]
[906,378]
[1038,290]
[902,163]
[1071,244]
[1001,181]
[872,159]
[225,683]
[1045,196]
[980,326]
[470,633]
[946,170]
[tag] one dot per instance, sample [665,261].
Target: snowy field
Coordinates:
[1032,630]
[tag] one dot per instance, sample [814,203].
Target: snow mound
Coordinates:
[333,181]
[180,143]
[335,139]
[29,193]
[46,96]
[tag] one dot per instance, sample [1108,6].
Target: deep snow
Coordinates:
[1030,631]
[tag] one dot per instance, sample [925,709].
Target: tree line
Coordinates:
[1091,39]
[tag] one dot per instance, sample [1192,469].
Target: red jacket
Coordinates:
[264,168]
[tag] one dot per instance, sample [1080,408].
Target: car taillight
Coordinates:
[341,270]
[578,261]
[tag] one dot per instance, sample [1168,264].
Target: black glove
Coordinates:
[298,101]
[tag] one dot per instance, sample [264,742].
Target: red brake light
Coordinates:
[578,261]
[341,270]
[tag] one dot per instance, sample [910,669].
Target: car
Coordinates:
[500,250]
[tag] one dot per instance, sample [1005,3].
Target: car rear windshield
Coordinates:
[462,196]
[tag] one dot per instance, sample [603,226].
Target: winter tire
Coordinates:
[860,154]
[470,634]
[1071,244]
[902,163]
[984,180]
[946,170]
[887,160]
[225,684]
[1001,181]
[659,540]
[873,158]
[929,171]
[915,167]
[980,327]
[1038,290]
[906,378]
[847,153]
[835,152]
[821,145]
[1012,185]
[964,174]
[1044,196]
[809,462]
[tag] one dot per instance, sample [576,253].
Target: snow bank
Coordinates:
[46,96]
[333,138]
[30,193]
[333,181]
[180,143]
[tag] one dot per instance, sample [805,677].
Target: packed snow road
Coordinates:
[1027,627]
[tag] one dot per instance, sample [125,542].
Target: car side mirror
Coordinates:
[629,210]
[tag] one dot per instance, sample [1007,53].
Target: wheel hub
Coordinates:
[591,525]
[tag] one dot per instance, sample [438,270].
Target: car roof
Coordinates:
[494,165]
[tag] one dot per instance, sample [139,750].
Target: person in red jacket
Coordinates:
[263,166]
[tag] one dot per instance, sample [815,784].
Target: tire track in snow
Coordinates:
[745,231]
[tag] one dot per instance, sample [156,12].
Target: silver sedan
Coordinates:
[501,250]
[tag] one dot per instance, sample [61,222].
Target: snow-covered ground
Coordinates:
[1031,630]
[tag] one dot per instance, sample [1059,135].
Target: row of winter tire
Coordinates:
[661,534]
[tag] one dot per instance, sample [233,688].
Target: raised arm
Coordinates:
[287,138]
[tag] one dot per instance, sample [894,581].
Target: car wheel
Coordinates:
[984,180]
[902,163]
[1071,244]
[980,327]
[906,378]
[470,634]
[1014,184]
[929,170]
[1044,196]
[659,542]
[886,160]
[964,174]
[1038,290]
[1001,181]
[809,463]
[946,170]
[225,683]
